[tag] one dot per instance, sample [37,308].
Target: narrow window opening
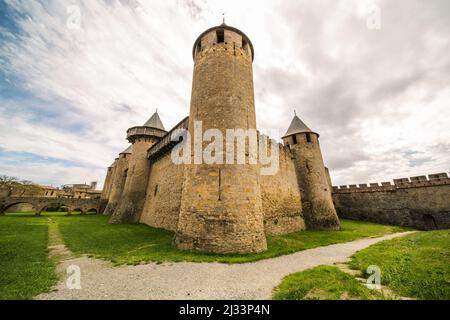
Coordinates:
[294,139]
[156,190]
[245,45]
[125,173]
[220,36]
[220,184]
[308,138]
[199,46]
[308,168]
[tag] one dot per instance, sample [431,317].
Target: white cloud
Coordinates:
[373,95]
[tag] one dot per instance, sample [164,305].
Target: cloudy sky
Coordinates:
[379,97]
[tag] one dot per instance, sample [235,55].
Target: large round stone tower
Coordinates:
[134,192]
[317,203]
[221,208]
[118,181]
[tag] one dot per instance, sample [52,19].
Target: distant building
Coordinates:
[73,191]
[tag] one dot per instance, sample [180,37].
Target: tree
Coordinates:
[28,187]
[10,185]
[7,184]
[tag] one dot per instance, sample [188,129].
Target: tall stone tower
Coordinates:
[107,187]
[134,192]
[118,181]
[317,202]
[221,209]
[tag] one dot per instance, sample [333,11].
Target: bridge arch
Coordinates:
[53,205]
[80,210]
[429,223]
[40,203]
[6,207]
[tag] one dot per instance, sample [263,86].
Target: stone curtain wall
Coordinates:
[281,198]
[419,202]
[163,199]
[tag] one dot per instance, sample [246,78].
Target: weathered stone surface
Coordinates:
[117,184]
[221,206]
[132,200]
[313,181]
[163,199]
[107,186]
[281,198]
[421,203]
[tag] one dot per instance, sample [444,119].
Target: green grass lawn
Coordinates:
[45,214]
[27,270]
[134,244]
[25,267]
[323,283]
[416,266]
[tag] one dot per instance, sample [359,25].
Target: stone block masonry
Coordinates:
[221,206]
[418,202]
[117,182]
[281,199]
[163,199]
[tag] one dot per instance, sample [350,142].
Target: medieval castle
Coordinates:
[220,208]
[230,208]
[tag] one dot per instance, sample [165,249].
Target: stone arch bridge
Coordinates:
[40,203]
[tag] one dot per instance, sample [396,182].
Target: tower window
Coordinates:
[156,190]
[308,138]
[220,184]
[220,36]
[199,46]
[245,45]
[294,139]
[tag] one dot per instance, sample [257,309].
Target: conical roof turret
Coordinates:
[298,126]
[155,122]
[152,128]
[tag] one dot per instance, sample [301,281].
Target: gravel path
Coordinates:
[186,280]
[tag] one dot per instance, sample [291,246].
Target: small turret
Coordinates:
[118,180]
[153,128]
[133,197]
[107,187]
[317,203]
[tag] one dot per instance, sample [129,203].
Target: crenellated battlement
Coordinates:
[402,183]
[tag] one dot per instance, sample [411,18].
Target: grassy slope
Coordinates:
[416,266]
[25,267]
[133,244]
[323,283]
